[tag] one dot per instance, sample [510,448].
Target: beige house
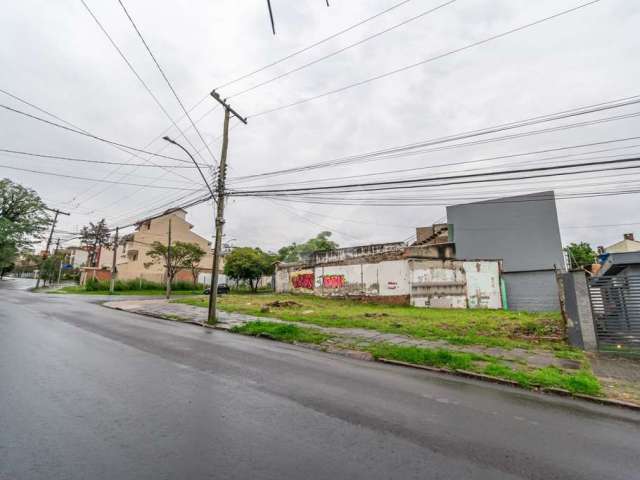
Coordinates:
[628,244]
[132,261]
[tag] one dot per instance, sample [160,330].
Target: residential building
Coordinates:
[77,256]
[627,244]
[133,261]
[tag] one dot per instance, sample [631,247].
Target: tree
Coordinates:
[580,255]
[50,267]
[182,256]
[249,264]
[294,252]
[95,235]
[193,258]
[23,216]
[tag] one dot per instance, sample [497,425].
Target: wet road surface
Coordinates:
[92,393]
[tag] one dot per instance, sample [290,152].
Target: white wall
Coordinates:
[483,284]
[385,279]
[430,283]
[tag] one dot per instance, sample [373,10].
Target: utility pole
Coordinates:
[169,263]
[114,272]
[55,252]
[213,292]
[53,226]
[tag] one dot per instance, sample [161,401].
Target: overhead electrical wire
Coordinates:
[425,61]
[393,184]
[488,200]
[90,135]
[413,147]
[166,79]
[75,177]
[85,160]
[83,192]
[480,160]
[134,71]
[340,50]
[313,45]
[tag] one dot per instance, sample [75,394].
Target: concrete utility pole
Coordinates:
[55,252]
[112,285]
[213,292]
[169,263]
[53,226]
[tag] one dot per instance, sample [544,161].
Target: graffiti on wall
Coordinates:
[303,280]
[333,281]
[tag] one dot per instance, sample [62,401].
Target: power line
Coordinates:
[84,160]
[487,200]
[52,115]
[343,49]
[133,70]
[423,62]
[481,160]
[313,45]
[395,184]
[40,172]
[146,46]
[90,135]
[412,148]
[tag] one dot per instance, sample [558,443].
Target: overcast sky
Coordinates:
[54,55]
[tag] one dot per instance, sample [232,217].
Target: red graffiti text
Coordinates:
[304,280]
[333,281]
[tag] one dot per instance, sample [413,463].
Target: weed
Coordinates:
[283,332]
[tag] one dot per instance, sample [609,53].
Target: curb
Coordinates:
[365,356]
[488,378]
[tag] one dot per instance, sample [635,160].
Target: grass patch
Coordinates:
[579,382]
[423,356]
[582,381]
[283,332]
[492,328]
[569,354]
[82,291]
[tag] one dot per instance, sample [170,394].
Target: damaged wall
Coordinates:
[387,278]
[416,281]
[343,254]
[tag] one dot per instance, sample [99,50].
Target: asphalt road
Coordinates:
[92,393]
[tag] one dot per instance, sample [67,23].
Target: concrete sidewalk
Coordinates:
[360,337]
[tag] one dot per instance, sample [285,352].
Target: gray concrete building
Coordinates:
[523,231]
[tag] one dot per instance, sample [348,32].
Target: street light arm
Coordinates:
[204,179]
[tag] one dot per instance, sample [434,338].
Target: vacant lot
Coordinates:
[479,341]
[493,328]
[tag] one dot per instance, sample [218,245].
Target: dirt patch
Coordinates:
[283,304]
[376,315]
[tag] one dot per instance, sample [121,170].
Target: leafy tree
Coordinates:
[193,258]
[580,255]
[294,252]
[23,216]
[249,264]
[95,235]
[50,267]
[182,256]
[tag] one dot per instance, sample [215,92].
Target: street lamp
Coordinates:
[204,179]
[216,253]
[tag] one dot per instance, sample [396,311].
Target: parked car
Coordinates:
[222,288]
